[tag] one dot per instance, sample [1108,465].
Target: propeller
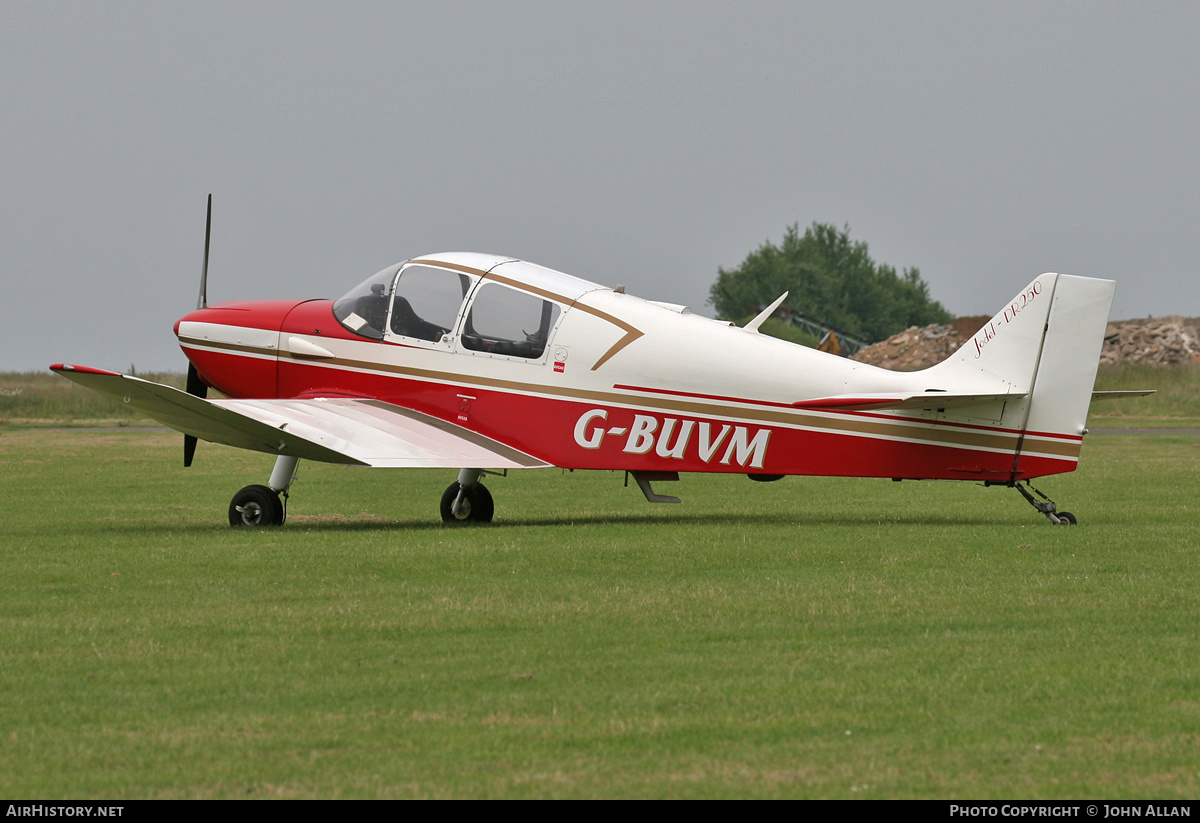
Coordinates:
[196,386]
[202,303]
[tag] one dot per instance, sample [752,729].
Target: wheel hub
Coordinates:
[464,509]
[251,513]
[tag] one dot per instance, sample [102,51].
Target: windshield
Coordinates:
[363,310]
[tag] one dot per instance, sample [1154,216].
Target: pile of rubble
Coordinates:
[916,348]
[1159,340]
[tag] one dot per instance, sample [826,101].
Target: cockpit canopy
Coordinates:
[461,307]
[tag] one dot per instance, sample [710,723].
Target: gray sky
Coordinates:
[643,143]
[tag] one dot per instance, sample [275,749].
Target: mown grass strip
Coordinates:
[807,638]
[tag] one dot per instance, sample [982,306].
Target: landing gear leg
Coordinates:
[1046,506]
[261,505]
[467,499]
[283,474]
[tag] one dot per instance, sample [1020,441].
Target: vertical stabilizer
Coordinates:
[1008,346]
[1066,374]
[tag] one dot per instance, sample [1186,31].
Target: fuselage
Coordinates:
[584,376]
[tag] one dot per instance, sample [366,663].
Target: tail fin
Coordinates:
[1066,373]
[1009,345]
[1045,345]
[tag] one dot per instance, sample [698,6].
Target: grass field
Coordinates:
[45,399]
[1176,401]
[806,638]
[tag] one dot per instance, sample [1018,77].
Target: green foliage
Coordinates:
[830,277]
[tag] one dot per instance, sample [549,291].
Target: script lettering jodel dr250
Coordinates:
[989,332]
[671,437]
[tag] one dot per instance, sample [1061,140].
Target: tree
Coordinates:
[830,277]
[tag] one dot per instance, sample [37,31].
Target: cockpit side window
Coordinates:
[427,302]
[509,322]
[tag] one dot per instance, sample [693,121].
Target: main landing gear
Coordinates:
[467,500]
[1046,506]
[262,505]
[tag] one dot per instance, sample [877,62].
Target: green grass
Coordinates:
[1175,403]
[806,638]
[30,399]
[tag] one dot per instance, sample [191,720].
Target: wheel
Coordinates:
[477,506]
[256,506]
[1066,518]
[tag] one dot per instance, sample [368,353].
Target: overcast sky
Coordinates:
[643,143]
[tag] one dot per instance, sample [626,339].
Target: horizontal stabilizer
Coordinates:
[1117,395]
[357,431]
[901,400]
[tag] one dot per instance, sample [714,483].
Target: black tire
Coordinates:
[1066,518]
[256,506]
[477,505]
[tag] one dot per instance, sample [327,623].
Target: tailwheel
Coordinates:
[1046,506]
[256,506]
[467,504]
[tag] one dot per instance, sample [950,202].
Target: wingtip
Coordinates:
[61,367]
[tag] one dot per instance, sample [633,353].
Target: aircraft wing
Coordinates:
[357,431]
[901,400]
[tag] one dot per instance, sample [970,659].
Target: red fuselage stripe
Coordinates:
[591,432]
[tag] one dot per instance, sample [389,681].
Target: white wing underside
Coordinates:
[350,430]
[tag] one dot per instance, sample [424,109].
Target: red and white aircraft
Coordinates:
[481,362]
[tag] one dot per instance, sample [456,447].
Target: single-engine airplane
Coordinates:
[482,363]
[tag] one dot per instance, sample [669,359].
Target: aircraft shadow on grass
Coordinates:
[789,519]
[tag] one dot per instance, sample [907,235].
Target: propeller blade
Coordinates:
[196,387]
[203,301]
[189,449]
